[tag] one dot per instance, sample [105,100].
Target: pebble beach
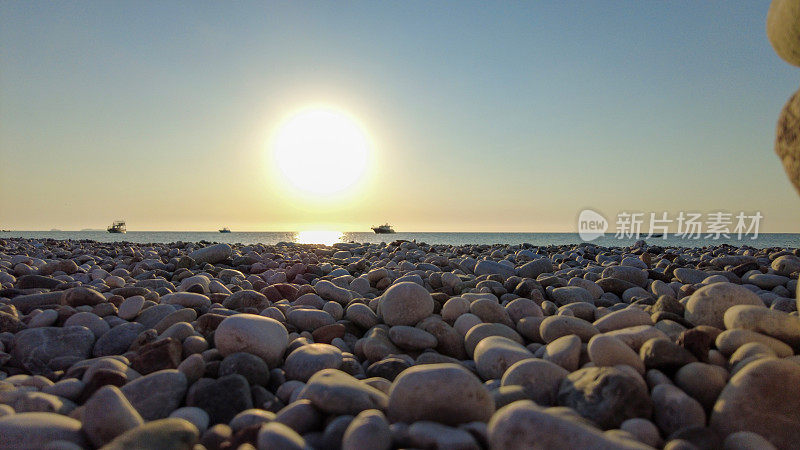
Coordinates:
[199,345]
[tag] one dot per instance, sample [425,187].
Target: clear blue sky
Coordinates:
[484,116]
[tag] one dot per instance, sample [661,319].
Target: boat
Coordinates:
[383,229]
[660,235]
[117,227]
[225,230]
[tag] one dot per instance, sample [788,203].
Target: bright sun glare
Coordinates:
[321,151]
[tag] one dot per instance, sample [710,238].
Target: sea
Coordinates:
[783,240]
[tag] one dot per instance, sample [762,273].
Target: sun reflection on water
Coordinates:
[318,237]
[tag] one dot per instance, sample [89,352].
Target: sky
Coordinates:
[502,116]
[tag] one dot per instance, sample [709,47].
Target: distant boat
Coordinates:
[658,235]
[5,231]
[383,229]
[225,230]
[117,227]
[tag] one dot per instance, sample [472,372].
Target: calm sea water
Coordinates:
[791,240]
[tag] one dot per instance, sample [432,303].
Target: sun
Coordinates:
[321,151]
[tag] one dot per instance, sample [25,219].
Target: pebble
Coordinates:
[264,337]
[277,435]
[36,429]
[554,327]
[405,303]
[495,354]
[169,433]
[608,351]
[375,345]
[674,410]
[524,425]
[107,414]
[540,379]
[369,430]
[777,324]
[445,393]
[707,305]
[763,397]
[605,395]
[309,359]
[335,392]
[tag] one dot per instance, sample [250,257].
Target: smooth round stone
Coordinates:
[643,430]
[747,440]
[301,416]
[702,381]
[221,398]
[89,320]
[520,308]
[571,294]
[690,276]
[489,311]
[635,337]
[212,254]
[484,330]
[250,366]
[632,275]
[309,359]
[730,340]
[36,429]
[763,397]
[624,318]
[465,322]
[82,296]
[335,392]
[45,318]
[495,354]
[608,351]
[275,435]
[445,393]
[405,303]
[264,337]
[35,348]
[554,327]
[673,410]
[195,416]
[564,351]
[309,319]
[589,285]
[187,299]
[117,340]
[606,395]
[534,268]
[777,324]
[157,394]
[250,417]
[330,291]
[412,338]
[766,280]
[453,308]
[107,414]
[424,434]
[172,433]
[130,307]
[540,379]
[361,315]
[369,430]
[664,355]
[193,367]
[524,425]
[708,304]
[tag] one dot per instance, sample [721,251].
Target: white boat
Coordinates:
[117,227]
[383,229]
